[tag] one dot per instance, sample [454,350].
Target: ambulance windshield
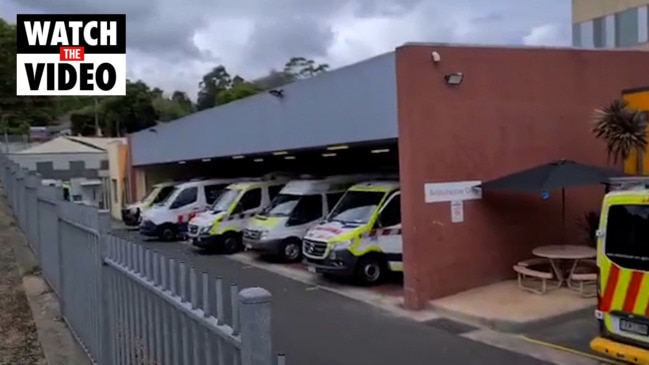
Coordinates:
[282,205]
[627,236]
[173,191]
[161,194]
[356,207]
[225,201]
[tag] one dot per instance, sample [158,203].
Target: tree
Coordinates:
[299,68]
[175,107]
[239,89]
[273,80]
[215,81]
[623,129]
[119,114]
[181,98]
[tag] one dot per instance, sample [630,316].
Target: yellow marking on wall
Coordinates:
[637,100]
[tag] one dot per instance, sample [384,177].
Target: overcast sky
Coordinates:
[172,43]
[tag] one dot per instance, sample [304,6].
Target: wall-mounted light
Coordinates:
[259,160]
[278,93]
[206,160]
[280,153]
[182,162]
[384,150]
[289,157]
[454,78]
[337,148]
[239,157]
[328,154]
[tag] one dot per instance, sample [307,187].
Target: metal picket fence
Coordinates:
[129,305]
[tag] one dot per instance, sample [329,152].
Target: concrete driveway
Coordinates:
[317,327]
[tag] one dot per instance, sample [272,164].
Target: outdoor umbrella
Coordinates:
[560,174]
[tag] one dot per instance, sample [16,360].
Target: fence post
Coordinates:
[107,334]
[254,314]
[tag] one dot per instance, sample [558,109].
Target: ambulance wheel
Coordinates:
[371,269]
[168,233]
[290,250]
[232,243]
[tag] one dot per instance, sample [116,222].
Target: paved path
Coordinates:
[317,327]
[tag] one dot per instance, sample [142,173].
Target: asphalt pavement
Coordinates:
[318,327]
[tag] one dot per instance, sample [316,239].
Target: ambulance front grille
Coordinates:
[315,249]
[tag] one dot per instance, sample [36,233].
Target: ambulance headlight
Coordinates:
[263,234]
[204,229]
[343,245]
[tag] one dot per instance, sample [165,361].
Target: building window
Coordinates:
[576,35]
[643,25]
[599,32]
[626,28]
[586,35]
[609,23]
[114,191]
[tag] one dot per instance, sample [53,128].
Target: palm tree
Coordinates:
[623,129]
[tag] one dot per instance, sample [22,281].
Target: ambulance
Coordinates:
[278,230]
[220,227]
[623,281]
[131,214]
[361,237]
[167,220]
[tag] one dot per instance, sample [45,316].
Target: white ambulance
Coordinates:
[278,230]
[219,228]
[361,236]
[132,213]
[167,220]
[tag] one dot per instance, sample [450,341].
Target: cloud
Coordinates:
[171,43]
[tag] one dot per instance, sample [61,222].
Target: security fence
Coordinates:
[129,305]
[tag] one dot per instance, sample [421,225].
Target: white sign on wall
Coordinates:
[452,191]
[457,211]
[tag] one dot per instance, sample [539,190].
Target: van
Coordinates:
[623,278]
[278,230]
[131,214]
[361,236]
[220,227]
[167,220]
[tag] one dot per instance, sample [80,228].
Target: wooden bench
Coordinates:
[584,282]
[535,281]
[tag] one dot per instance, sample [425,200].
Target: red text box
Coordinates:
[71,54]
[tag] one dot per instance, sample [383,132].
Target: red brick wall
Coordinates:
[516,108]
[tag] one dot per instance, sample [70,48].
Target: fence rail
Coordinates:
[126,304]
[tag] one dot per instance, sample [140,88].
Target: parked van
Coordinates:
[278,230]
[220,227]
[623,278]
[361,236]
[167,219]
[131,214]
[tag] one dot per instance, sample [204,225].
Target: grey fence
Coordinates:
[129,305]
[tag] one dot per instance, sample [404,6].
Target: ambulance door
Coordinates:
[186,205]
[249,203]
[388,227]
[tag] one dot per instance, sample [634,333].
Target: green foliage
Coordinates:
[298,68]
[175,107]
[622,128]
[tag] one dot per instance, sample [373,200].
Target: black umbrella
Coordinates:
[555,175]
